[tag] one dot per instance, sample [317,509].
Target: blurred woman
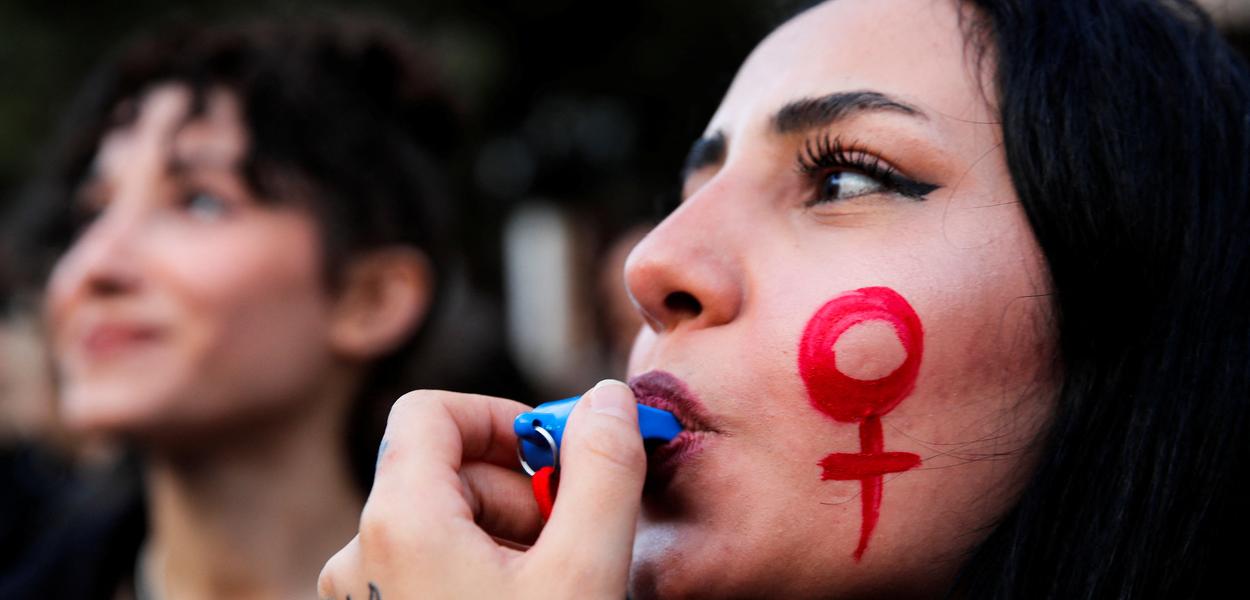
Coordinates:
[243,229]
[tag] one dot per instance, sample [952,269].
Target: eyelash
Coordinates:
[828,153]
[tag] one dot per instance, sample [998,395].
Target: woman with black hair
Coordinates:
[954,305]
[243,234]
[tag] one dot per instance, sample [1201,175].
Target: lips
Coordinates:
[663,390]
[107,339]
[659,389]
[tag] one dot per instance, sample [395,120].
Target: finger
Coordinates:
[602,466]
[429,435]
[448,427]
[502,501]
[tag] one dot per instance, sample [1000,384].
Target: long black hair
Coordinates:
[1126,126]
[346,118]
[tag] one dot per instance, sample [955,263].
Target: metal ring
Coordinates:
[555,452]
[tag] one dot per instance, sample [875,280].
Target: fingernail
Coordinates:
[611,397]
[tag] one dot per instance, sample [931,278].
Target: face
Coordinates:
[848,313]
[185,305]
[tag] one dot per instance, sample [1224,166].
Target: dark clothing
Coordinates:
[68,539]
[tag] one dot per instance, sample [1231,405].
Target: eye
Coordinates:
[840,172]
[844,185]
[205,206]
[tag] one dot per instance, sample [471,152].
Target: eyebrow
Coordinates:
[811,113]
[704,152]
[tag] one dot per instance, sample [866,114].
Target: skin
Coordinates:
[449,516]
[192,320]
[726,285]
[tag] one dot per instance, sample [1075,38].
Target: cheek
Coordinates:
[250,285]
[252,312]
[869,351]
[243,274]
[858,359]
[860,354]
[993,336]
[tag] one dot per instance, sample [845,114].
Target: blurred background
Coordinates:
[578,116]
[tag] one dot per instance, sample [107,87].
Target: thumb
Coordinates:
[602,467]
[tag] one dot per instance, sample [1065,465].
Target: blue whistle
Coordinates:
[541,430]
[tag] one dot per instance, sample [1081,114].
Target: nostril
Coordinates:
[683,303]
[107,286]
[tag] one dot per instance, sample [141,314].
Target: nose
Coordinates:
[687,272]
[102,261]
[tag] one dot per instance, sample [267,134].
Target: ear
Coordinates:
[383,299]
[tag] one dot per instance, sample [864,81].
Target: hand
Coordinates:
[448,506]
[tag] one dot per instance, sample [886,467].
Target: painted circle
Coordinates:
[845,398]
[869,350]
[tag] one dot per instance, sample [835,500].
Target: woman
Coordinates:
[954,304]
[256,242]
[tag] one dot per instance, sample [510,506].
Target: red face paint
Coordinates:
[850,400]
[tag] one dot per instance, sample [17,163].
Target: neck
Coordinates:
[256,517]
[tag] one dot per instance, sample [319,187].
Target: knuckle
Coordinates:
[375,531]
[325,583]
[326,587]
[413,402]
[385,534]
[412,408]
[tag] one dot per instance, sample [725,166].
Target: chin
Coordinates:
[668,582]
[99,421]
[650,581]
[655,572]
[662,571]
[89,408]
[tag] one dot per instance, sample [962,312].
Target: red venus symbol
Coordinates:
[850,400]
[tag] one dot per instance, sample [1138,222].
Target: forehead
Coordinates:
[911,50]
[167,127]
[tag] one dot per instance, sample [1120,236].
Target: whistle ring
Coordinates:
[551,442]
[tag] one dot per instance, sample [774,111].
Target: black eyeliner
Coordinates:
[828,153]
